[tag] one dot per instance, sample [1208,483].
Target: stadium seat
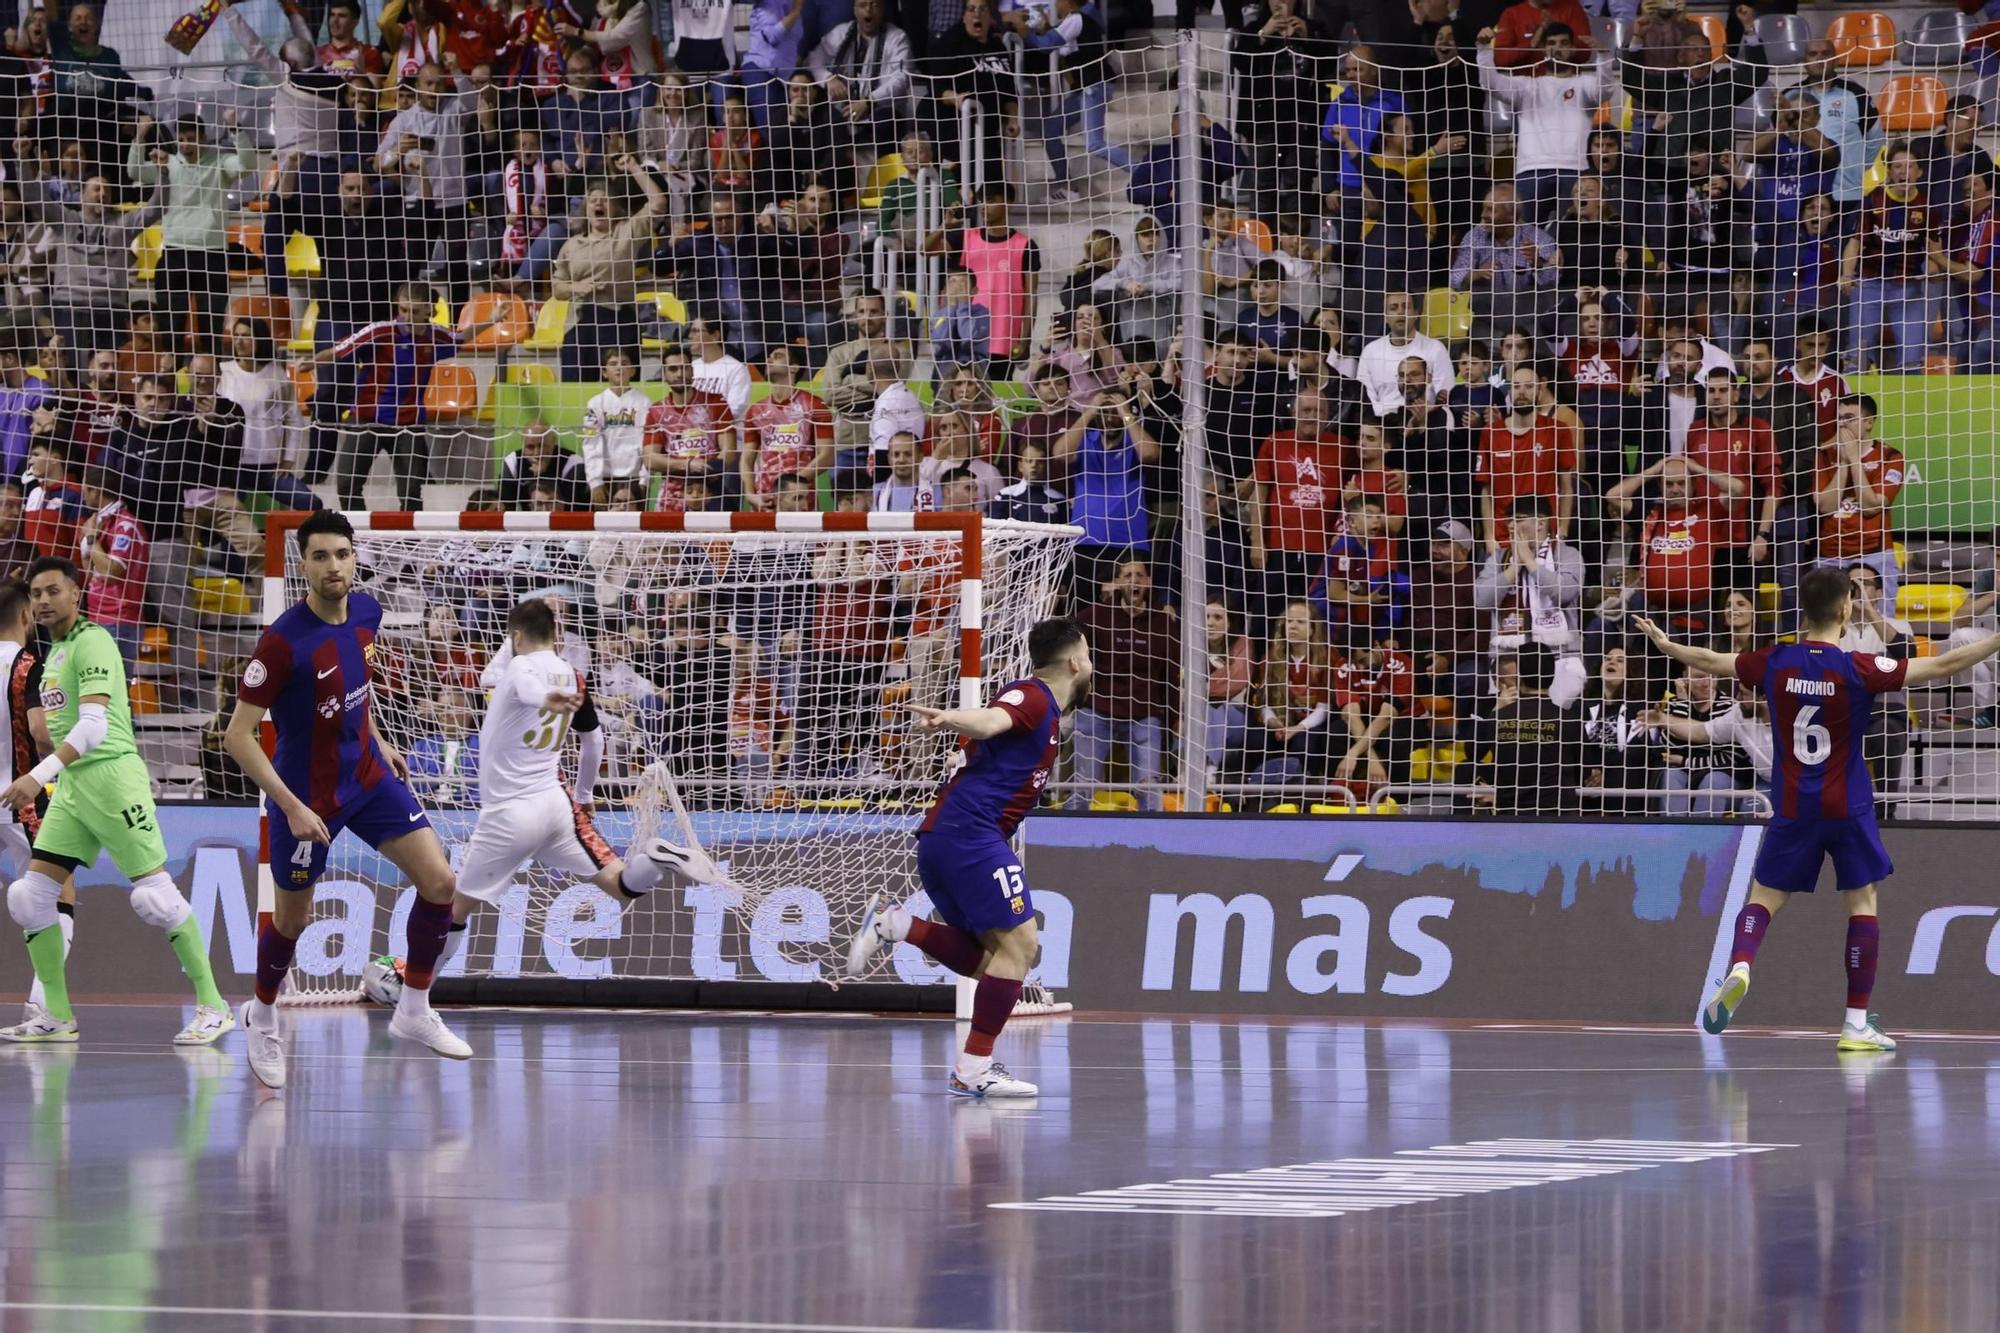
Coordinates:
[1867,38]
[1114,800]
[1717,32]
[216,596]
[1447,314]
[1758,112]
[304,383]
[1929,601]
[1257,233]
[246,238]
[144,696]
[671,310]
[441,314]
[1911,103]
[888,167]
[1940,363]
[1937,38]
[530,372]
[308,329]
[275,311]
[452,394]
[1784,38]
[1284,808]
[551,322]
[515,321]
[147,248]
[301,256]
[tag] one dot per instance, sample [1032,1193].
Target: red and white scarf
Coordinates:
[526,191]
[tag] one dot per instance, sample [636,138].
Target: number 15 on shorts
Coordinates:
[1012,887]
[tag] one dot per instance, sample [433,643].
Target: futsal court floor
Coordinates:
[765,1172]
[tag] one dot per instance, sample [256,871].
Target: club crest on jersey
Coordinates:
[1886,663]
[254,674]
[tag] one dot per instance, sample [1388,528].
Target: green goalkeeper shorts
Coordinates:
[105,807]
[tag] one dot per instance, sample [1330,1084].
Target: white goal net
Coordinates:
[751,675]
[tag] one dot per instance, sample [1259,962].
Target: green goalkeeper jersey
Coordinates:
[83,662]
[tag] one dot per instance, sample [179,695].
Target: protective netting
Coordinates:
[1719,300]
[754,695]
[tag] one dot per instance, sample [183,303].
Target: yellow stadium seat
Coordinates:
[1215,805]
[551,322]
[302,338]
[1113,800]
[1172,803]
[1318,808]
[301,256]
[147,248]
[672,310]
[1447,314]
[441,314]
[1284,808]
[530,372]
[215,596]
[1929,601]
[1767,599]
[888,167]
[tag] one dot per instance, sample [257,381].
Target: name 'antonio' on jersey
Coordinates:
[1821,699]
[313,678]
[1002,778]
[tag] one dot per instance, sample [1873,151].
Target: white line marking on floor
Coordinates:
[432,1317]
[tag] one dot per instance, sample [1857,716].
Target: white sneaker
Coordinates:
[265,1047]
[1727,998]
[382,980]
[869,941]
[690,863]
[42,1028]
[208,1025]
[1062,194]
[429,1029]
[995,1082]
[30,1011]
[1867,1037]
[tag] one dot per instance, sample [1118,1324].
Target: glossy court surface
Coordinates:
[701,1171]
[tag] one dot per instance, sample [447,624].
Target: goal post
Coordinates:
[752,674]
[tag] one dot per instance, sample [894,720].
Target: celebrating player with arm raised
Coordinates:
[1820,699]
[332,771]
[969,870]
[104,802]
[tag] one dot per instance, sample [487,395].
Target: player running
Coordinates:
[333,771]
[964,858]
[103,803]
[525,811]
[1820,699]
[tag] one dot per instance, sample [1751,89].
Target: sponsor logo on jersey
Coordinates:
[254,674]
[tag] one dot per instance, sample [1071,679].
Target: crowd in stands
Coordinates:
[1504,335]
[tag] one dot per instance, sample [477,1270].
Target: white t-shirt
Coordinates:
[614,435]
[1381,367]
[728,379]
[521,744]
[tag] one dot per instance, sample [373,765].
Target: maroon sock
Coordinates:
[274,959]
[1864,939]
[423,941]
[1751,923]
[991,1004]
[949,945]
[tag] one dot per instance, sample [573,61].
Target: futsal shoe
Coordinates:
[264,1046]
[995,1082]
[208,1025]
[869,941]
[1728,997]
[429,1029]
[1867,1037]
[30,1011]
[382,980]
[42,1029]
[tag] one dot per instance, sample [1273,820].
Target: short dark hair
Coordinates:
[322,523]
[351,6]
[60,564]
[1823,594]
[1269,270]
[791,479]
[1558,30]
[1050,640]
[851,481]
[13,602]
[1864,401]
[1532,506]
[534,618]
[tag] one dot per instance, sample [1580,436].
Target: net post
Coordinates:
[971,610]
[1194,451]
[277,528]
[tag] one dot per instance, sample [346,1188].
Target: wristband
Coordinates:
[46,771]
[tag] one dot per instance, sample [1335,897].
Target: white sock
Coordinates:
[413,1002]
[640,874]
[972,1066]
[67,924]
[1857,1018]
[454,940]
[894,924]
[263,1015]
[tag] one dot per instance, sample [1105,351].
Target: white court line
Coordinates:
[431,1317]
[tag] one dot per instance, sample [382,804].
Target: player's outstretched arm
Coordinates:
[1687,654]
[92,725]
[980,724]
[242,744]
[1925,669]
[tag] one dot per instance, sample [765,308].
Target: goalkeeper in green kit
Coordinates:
[103,802]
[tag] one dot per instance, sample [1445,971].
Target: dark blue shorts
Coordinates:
[1793,850]
[385,811]
[975,886]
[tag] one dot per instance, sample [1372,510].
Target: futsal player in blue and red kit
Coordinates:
[986,918]
[1820,699]
[332,771]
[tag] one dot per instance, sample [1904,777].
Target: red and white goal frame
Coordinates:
[968,529]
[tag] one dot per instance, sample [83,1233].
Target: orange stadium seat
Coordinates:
[1912,103]
[1867,38]
[453,393]
[516,322]
[1717,32]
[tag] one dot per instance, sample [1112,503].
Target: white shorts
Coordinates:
[549,828]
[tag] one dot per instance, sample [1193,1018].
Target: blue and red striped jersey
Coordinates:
[394,364]
[1820,699]
[999,780]
[314,680]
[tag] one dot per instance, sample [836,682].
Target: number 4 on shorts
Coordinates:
[302,855]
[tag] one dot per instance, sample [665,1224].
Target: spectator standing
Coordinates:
[614,430]
[90,264]
[1693,101]
[714,274]
[1445,618]
[597,272]
[115,557]
[343,52]
[1883,267]
[1846,119]
[961,329]
[1525,454]
[1104,466]
[1727,442]
[274,429]
[897,407]
[20,395]
[809,250]
[690,435]
[193,277]
[1292,504]
[1512,269]
[1805,280]
[1381,364]
[1684,536]
[1859,479]
[1554,101]
[847,380]
[623,36]
[787,433]
[1049,417]
[1082,71]
[1244,408]
[1006,265]
[1135,647]
[777,36]
[1522,37]
[424,148]
[864,65]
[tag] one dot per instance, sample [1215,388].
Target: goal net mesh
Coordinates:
[754,693]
